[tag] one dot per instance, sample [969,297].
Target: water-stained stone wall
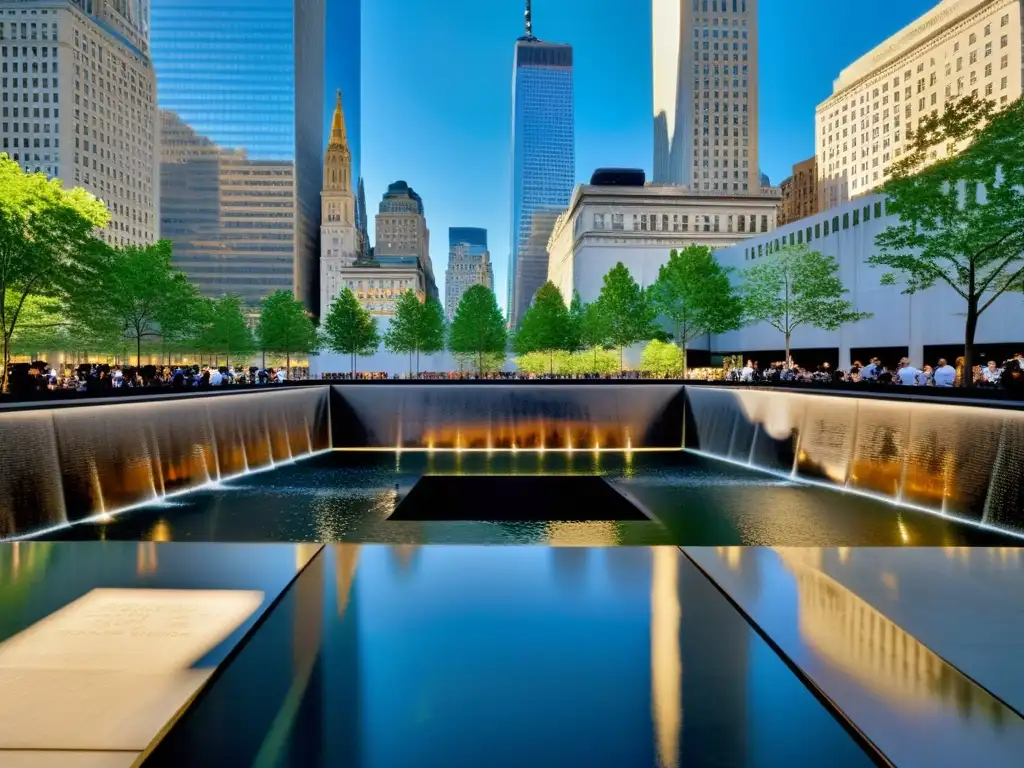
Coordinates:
[962,460]
[58,465]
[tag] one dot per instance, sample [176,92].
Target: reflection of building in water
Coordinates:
[857,639]
[342,665]
[405,555]
[589,534]
[666,665]
[146,560]
[569,564]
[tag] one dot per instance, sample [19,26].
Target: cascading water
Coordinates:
[66,464]
[960,460]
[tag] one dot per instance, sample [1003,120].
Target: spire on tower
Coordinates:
[338,136]
[529,20]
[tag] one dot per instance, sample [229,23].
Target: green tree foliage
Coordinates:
[546,326]
[693,291]
[139,297]
[626,309]
[961,220]
[349,329]
[661,359]
[594,332]
[284,328]
[796,286]
[577,323]
[226,331]
[416,328]
[579,363]
[47,248]
[478,329]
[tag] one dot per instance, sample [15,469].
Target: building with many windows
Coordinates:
[543,160]
[231,218]
[959,48]
[402,237]
[79,103]
[640,225]
[252,79]
[469,264]
[705,74]
[799,192]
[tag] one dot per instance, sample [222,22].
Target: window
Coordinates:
[835,223]
[825,227]
[846,221]
[867,213]
[598,221]
[988,49]
[878,210]
[972,39]
[856,216]
[973,57]
[1003,41]
[1002,84]
[617,221]
[1005,20]
[817,231]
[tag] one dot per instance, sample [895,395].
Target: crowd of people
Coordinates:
[28,378]
[1007,376]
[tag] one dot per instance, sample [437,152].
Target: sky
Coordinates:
[437,93]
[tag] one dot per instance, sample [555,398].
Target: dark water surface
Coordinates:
[348,497]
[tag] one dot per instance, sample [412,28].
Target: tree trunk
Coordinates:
[970,329]
[682,349]
[789,358]
[287,365]
[551,363]
[138,351]
[7,361]
[417,362]
[621,367]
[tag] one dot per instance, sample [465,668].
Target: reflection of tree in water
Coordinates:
[854,637]
[22,565]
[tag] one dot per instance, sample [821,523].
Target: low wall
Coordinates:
[956,459]
[58,465]
[477,416]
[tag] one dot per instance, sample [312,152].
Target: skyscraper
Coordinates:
[105,139]
[469,264]
[543,159]
[251,79]
[705,94]
[339,234]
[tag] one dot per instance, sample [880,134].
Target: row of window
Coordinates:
[681,222]
[819,230]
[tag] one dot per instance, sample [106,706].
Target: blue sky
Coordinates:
[436,93]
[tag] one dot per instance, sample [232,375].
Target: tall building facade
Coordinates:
[469,264]
[339,234]
[252,78]
[959,48]
[543,159]
[79,103]
[402,237]
[705,62]
[800,192]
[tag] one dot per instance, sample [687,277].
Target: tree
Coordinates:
[662,358]
[546,326]
[577,323]
[625,308]
[46,243]
[226,330]
[478,329]
[796,286]
[417,327]
[349,329]
[284,328]
[137,296]
[694,292]
[594,330]
[961,220]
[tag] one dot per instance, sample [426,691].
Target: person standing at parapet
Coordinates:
[945,374]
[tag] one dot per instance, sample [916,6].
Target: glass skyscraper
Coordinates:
[543,160]
[244,90]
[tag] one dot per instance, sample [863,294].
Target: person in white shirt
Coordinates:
[747,374]
[945,374]
[282,375]
[907,374]
[216,377]
[990,373]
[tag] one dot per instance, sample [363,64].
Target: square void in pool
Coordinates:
[514,498]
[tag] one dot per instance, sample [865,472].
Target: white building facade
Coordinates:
[465,269]
[639,226]
[705,75]
[959,48]
[78,103]
[930,319]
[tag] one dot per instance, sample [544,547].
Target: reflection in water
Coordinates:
[859,640]
[146,559]
[666,665]
[588,534]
